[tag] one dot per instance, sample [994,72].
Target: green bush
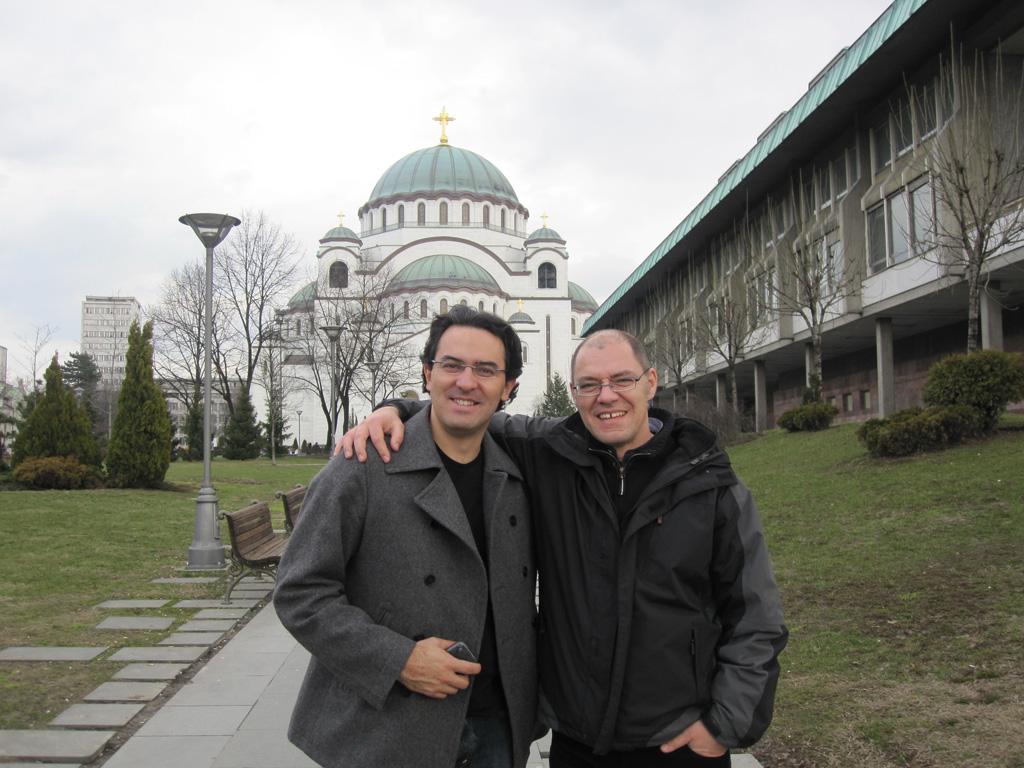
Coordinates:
[915,430]
[63,473]
[812,417]
[986,381]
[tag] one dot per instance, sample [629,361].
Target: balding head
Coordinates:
[602,339]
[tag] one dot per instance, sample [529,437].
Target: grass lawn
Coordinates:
[904,595]
[901,579]
[67,551]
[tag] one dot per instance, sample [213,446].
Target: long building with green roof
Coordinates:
[827,245]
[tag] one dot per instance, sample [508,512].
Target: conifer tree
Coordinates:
[82,376]
[556,399]
[241,434]
[194,428]
[56,426]
[140,444]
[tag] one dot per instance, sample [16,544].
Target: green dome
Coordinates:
[443,271]
[341,233]
[303,297]
[544,233]
[521,318]
[443,169]
[582,301]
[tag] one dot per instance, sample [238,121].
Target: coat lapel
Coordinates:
[497,468]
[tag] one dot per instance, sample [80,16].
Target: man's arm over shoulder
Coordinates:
[310,596]
[753,633]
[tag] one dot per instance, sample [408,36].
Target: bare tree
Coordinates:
[977,168]
[254,270]
[813,278]
[33,347]
[178,337]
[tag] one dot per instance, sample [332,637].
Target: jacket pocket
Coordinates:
[703,644]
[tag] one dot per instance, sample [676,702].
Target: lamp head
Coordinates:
[210,228]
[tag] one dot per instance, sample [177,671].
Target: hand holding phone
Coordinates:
[461,651]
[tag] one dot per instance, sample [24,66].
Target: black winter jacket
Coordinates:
[670,615]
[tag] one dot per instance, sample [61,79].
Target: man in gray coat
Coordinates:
[394,563]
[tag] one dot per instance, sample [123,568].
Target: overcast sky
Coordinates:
[615,118]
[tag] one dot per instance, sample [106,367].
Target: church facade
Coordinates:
[441,227]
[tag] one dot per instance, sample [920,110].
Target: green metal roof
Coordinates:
[521,318]
[341,233]
[582,301]
[303,297]
[892,18]
[443,168]
[545,233]
[443,271]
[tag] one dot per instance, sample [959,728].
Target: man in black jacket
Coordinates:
[660,618]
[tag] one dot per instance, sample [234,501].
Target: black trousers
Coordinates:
[566,753]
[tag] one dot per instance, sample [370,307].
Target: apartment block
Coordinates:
[105,324]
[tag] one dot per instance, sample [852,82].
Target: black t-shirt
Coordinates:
[487,696]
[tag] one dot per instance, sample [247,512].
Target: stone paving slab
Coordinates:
[221,613]
[42,765]
[262,749]
[192,638]
[233,690]
[195,721]
[96,715]
[207,625]
[133,604]
[253,588]
[254,580]
[185,580]
[159,653]
[126,692]
[135,622]
[150,671]
[215,603]
[50,653]
[168,752]
[80,746]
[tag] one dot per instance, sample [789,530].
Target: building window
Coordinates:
[401,215]
[423,307]
[487,215]
[502,219]
[880,145]
[480,306]
[298,326]
[903,131]
[421,214]
[848,402]
[876,237]
[865,399]
[338,275]
[494,308]
[546,276]
[824,187]
[405,310]
[573,323]
[383,218]
[444,306]
[465,214]
[526,352]
[443,212]
[463,303]
[901,226]
[839,176]
[925,110]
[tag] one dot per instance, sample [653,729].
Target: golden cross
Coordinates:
[545,217]
[444,118]
[341,219]
[519,302]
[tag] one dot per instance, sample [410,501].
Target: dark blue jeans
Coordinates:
[566,753]
[486,743]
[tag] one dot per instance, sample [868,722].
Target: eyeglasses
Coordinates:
[454,367]
[618,384]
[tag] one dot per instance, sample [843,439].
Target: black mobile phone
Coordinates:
[461,651]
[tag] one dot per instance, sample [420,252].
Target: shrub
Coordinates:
[811,417]
[915,430]
[986,381]
[724,422]
[63,473]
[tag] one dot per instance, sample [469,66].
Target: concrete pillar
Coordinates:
[808,363]
[991,319]
[885,366]
[721,389]
[760,397]
[690,391]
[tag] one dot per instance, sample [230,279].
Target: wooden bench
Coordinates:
[292,501]
[255,547]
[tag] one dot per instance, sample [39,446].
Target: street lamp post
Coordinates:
[298,412]
[206,551]
[333,333]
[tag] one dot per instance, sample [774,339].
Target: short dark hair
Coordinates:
[600,338]
[485,321]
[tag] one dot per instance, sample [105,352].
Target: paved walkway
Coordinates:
[234,712]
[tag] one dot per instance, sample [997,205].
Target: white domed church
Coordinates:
[442,226]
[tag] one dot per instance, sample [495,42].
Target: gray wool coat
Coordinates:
[384,556]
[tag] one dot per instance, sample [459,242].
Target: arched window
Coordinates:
[494,308]
[546,276]
[480,306]
[405,314]
[298,326]
[463,303]
[383,218]
[338,276]
[444,306]
[421,214]
[401,215]
[465,214]
[443,212]
[502,219]
[574,326]
[423,307]
[487,215]
[526,351]
[370,217]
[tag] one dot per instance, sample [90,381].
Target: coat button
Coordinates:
[512,521]
[430,579]
[526,571]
